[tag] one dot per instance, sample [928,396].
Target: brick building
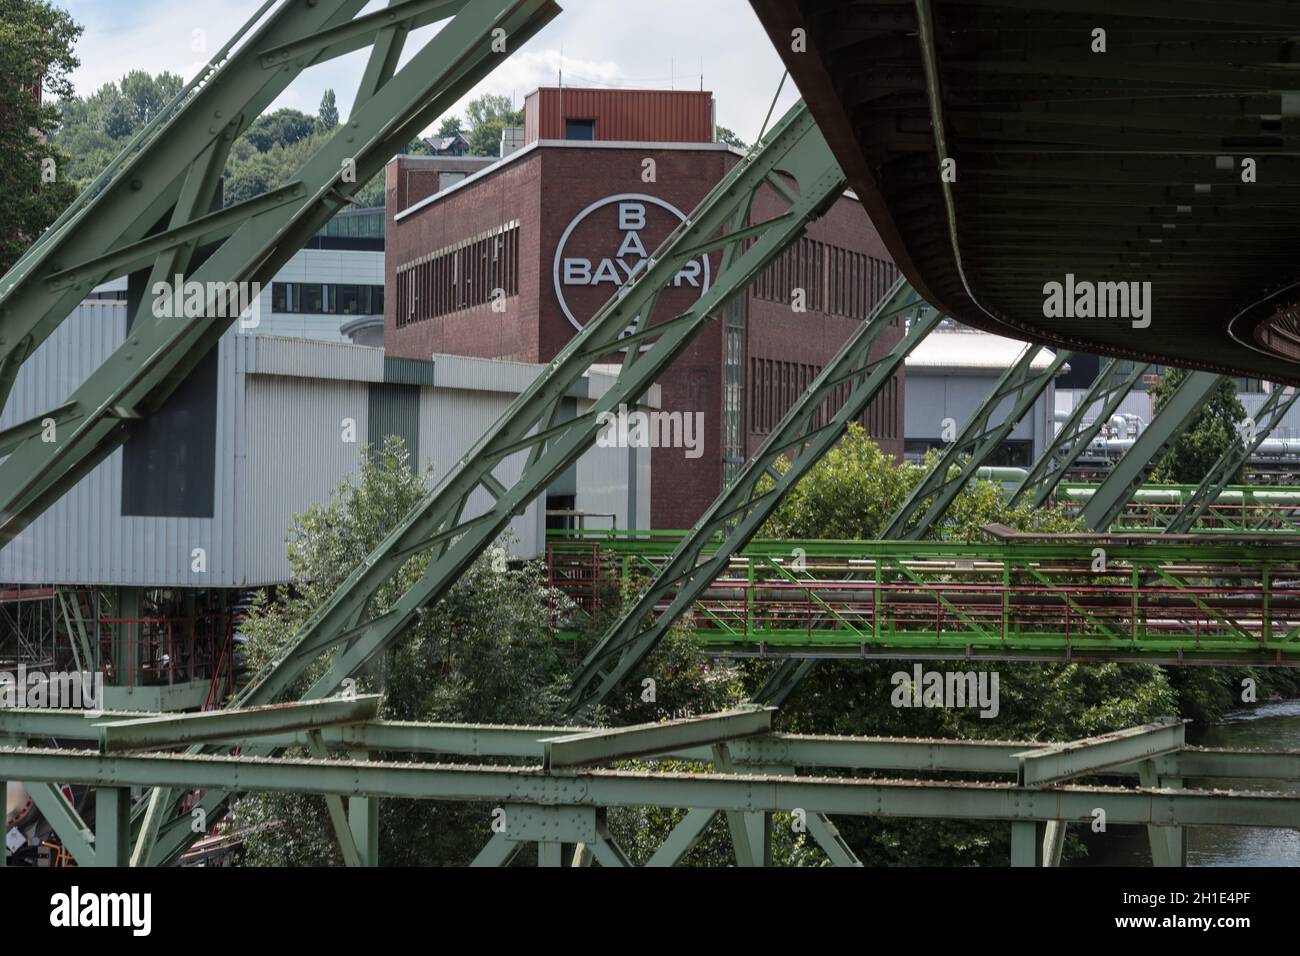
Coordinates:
[558,224]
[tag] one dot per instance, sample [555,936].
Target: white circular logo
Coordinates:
[593,278]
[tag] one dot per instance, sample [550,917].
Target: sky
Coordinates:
[654,44]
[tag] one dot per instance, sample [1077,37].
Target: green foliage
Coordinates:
[1216,428]
[94,129]
[482,654]
[723,135]
[36,42]
[487,116]
[328,116]
[450,126]
[283,127]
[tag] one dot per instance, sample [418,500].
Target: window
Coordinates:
[295,298]
[584,129]
[462,276]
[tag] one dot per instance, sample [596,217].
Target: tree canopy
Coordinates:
[1215,429]
[36,53]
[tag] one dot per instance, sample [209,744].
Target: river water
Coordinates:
[1274,726]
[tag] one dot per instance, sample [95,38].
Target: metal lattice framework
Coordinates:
[1150,597]
[804,434]
[983,434]
[556,784]
[1073,437]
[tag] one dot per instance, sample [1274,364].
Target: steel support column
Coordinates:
[1109,388]
[746,504]
[1127,474]
[1231,461]
[978,440]
[112,826]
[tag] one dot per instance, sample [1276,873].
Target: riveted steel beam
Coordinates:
[624,743]
[1058,762]
[735,792]
[181,730]
[1109,389]
[1127,474]
[979,438]
[745,505]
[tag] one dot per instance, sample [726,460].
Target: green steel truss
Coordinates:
[1074,436]
[1231,461]
[980,438]
[1127,474]
[531,433]
[1234,511]
[152,209]
[804,434]
[743,771]
[1141,598]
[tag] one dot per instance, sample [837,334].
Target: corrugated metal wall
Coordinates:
[641,116]
[84,538]
[295,456]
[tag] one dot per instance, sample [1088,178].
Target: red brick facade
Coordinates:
[543,190]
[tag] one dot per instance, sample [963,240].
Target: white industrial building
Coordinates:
[950,373]
[264,435]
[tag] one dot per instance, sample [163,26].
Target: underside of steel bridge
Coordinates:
[1112,142]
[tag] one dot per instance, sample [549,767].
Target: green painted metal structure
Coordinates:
[1127,475]
[1235,510]
[1110,599]
[741,769]
[1109,388]
[982,435]
[151,210]
[804,434]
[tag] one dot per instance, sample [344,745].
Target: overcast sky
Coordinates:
[654,44]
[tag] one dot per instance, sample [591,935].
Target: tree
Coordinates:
[283,127]
[487,116]
[36,42]
[484,654]
[95,128]
[328,116]
[1216,428]
[723,135]
[450,126]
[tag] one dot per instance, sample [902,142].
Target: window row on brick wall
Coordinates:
[774,387]
[461,276]
[834,280]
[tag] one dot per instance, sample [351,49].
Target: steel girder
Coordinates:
[1109,388]
[978,440]
[1231,461]
[1127,474]
[746,504]
[152,210]
[530,429]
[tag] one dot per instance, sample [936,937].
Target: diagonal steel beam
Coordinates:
[746,504]
[1109,388]
[1055,763]
[1231,461]
[170,182]
[980,437]
[1127,474]
[641,740]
